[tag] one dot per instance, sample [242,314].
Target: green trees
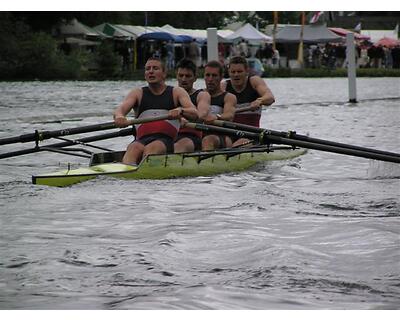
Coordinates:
[35,56]
[108,62]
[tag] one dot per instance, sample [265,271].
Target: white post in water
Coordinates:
[351,67]
[212,44]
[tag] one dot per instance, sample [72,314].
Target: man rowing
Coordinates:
[189,139]
[156,99]
[250,91]
[222,106]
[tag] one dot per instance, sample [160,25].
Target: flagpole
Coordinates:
[274,32]
[300,58]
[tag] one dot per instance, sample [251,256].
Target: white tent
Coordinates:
[199,34]
[114,31]
[376,35]
[76,28]
[249,33]
[139,30]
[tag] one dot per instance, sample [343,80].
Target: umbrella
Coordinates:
[387,42]
[162,36]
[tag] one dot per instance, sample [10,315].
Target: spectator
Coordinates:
[170,55]
[193,52]
[396,57]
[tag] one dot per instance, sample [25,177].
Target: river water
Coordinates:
[318,232]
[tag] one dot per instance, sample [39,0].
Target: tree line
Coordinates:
[29,51]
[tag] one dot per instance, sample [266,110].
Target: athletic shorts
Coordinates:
[167,140]
[195,139]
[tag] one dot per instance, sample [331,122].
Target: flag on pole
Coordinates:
[316,16]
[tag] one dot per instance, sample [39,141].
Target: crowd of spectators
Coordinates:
[329,55]
[333,56]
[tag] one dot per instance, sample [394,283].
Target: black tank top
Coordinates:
[150,101]
[217,103]
[245,96]
[193,96]
[152,105]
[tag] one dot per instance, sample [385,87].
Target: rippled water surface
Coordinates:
[317,232]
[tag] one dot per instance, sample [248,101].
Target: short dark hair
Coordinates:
[163,67]
[187,64]
[239,60]
[215,64]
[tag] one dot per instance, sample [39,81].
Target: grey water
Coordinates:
[321,231]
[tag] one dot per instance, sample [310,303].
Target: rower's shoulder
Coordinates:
[256,81]
[136,92]
[203,93]
[179,90]
[230,96]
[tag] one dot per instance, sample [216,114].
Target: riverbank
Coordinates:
[90,75]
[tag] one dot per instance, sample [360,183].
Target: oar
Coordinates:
[244,109]
[265,137]
[120,133]
[294,135]
[42,135]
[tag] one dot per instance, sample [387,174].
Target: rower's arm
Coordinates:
[266,97]
[125,107]
[229,107]
[203,104]
[188,110]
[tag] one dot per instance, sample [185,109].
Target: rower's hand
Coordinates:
[176,113]
[121,122]
[256,104]
[210,118]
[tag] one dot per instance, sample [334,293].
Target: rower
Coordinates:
[189,139]
[249,91]
[154,100]
[222,106]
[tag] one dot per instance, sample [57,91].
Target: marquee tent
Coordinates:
[115,31]
[76,28]
[376,35]
[312,34]
[80,42]
[199,34]
[249,33]
[164,36]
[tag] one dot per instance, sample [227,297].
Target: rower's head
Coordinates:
[186,74]
[238,70]
[155,71]
[213,74]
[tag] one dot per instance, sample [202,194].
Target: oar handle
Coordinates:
[150,119]
[43,135]
[244,109]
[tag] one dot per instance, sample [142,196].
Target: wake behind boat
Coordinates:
[170,165]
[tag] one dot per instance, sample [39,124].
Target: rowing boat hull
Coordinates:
[168,166]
